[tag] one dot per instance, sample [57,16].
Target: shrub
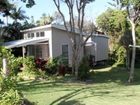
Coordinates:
[4,53]
[51,66]
[30,71]
[16,64]
[9,95]
[40,63]
[29,64]
[121,54]
[84,68]
[13,63]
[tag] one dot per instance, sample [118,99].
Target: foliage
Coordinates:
[29,3]
[40,63]
[126,39]
[5,6]
[84,69]
[133,9]
[27,25]
[12,32]
[52,66]
[13,64]
[4,53]
[118,55]
[29,64]
[121,55]
[9,95]
[44,20]
[138,34]
[18,14]
[113,22]
[30,70]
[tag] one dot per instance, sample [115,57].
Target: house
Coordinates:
[53,40]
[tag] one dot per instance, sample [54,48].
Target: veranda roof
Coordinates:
[24,42]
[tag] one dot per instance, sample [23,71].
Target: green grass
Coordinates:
[108,87]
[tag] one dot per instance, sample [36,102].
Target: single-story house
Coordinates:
[53,40]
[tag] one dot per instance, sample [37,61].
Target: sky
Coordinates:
[93,10]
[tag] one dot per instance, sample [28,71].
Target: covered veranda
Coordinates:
[37,47]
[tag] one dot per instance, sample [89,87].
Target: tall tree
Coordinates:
[29,3]
[74,7]
[5,8]
[133,11]
[44,19]
[1,23]
[117,4]
[4,5]
[113,23]
[57,18]
[18,14]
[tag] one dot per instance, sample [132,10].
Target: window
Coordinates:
[32,35]
[29,35]
[35,50]
[38,51]
[42,34]
[65,54]
[37,34]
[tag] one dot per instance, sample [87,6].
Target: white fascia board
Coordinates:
[23,42]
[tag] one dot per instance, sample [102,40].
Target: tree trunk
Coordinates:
[132,69]
[128,59]
[5,69]
[7,20]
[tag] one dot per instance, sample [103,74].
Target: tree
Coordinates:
[44,19]
[18,14]
[29,3]
[133,11]
[117,4]
[5,5]
[5,8]
[1,23]
[133,15]
[27,25]
[114,23]
[74,6]
[57,18]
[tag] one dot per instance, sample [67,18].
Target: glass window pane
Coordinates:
[37,34]
[32,35]
[65,53]
[42,34]
[29,35]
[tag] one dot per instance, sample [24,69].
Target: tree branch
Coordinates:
[58,8]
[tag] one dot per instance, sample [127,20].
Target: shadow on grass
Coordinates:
[64,100]
[46,87]
[71,102]
[117,75]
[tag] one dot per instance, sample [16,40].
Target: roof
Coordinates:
[90,43]
[60,27]
[57,26]
[23,42]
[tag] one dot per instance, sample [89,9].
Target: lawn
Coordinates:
[108,87]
